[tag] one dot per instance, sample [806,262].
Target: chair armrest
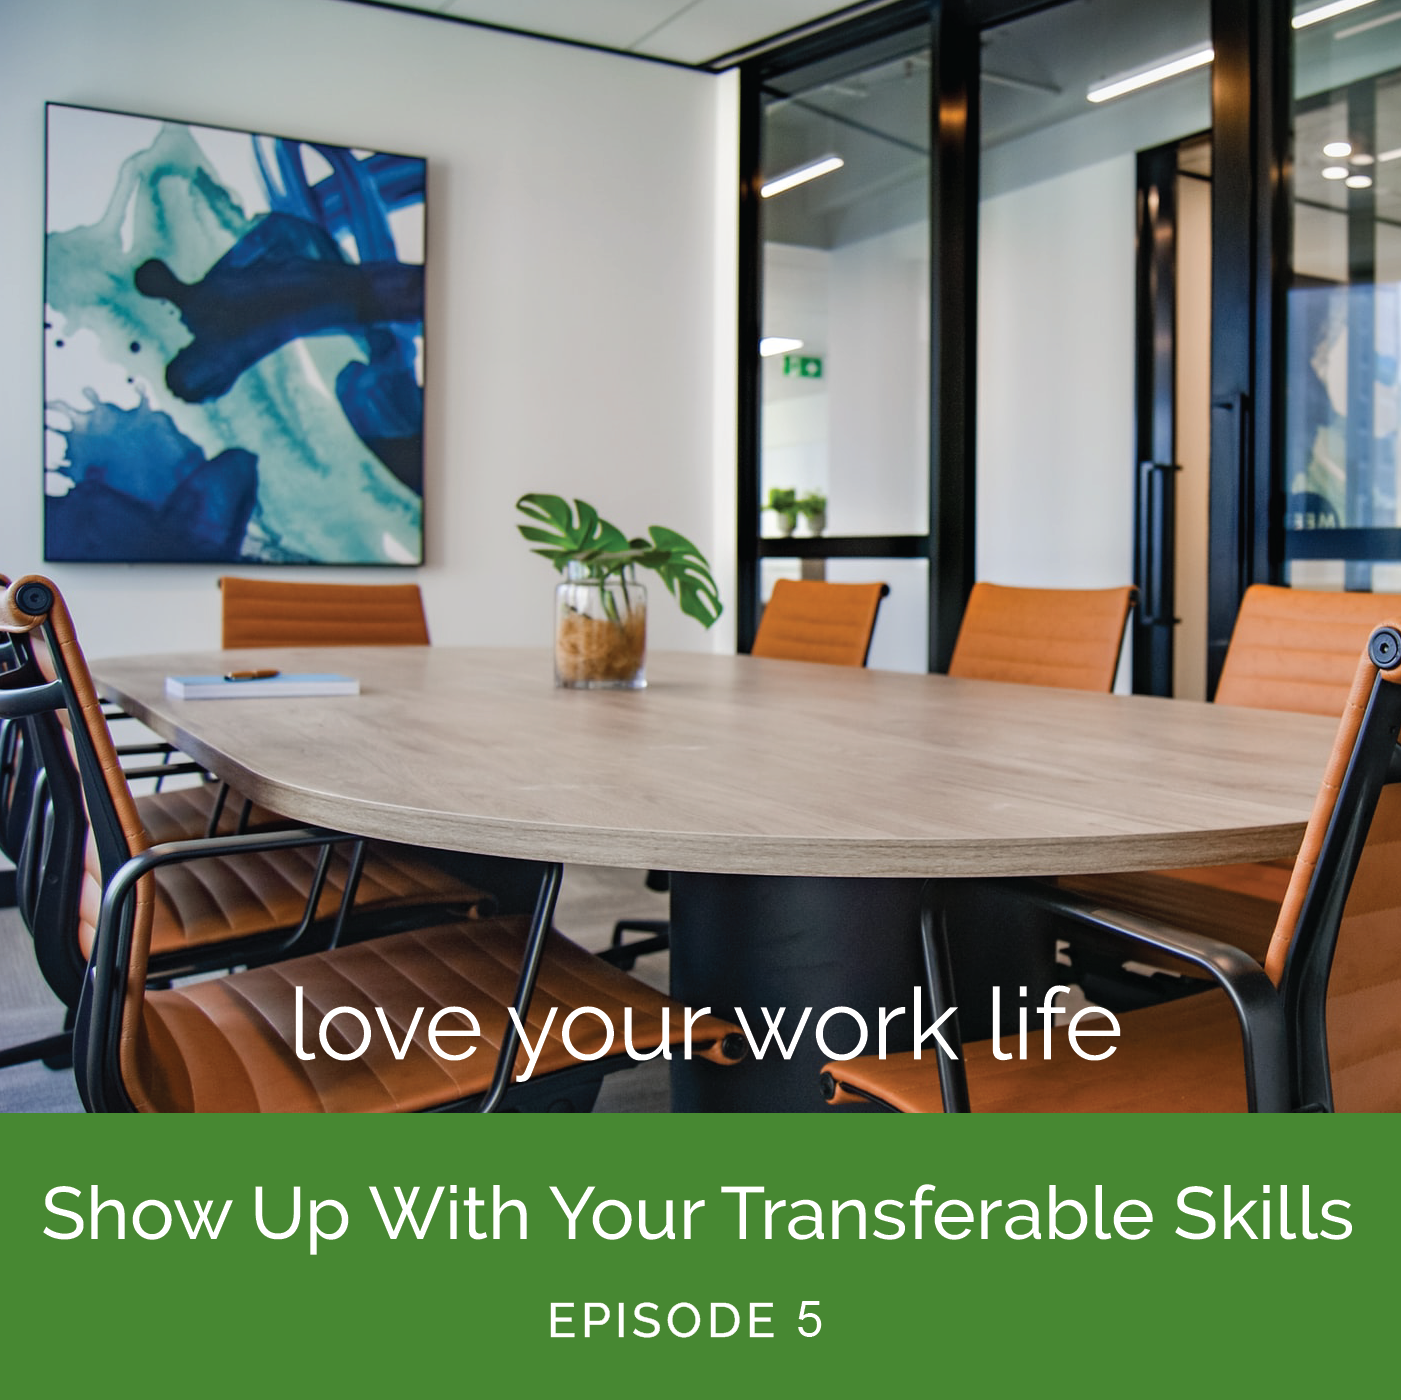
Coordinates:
[104,989]
[246,843]
[1256,1002]
[163,770]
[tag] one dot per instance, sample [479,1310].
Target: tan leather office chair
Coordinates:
[230,1044]
[812,620]
[264,612]
[1066,637]
[1291,649]
[207,916]
[278,613]
[1317,1026]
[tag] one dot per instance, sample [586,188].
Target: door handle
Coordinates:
[1158,542]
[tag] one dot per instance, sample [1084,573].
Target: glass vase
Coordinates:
[600,632]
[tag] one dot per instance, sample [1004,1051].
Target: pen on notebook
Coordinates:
[266,675]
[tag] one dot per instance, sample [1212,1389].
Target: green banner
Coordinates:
[698,1255]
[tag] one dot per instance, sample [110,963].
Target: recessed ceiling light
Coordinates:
[1322,12]
[800,175]
[1361,159]
[1338,149]
[1335,172]
[1167,68]
[1359,182]
[778,345]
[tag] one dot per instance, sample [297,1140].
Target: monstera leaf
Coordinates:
[566,539]
[577,534]
[686,574]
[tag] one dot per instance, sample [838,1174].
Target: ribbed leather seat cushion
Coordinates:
[178,814]
[229,897]
[275,613]
[1181,1057]
[227,1045]
[809,620]
[1064,637]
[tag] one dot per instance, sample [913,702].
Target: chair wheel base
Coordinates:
[625,955]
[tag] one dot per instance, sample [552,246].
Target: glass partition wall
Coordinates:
[843,215]
[948,261]
[1089,111]
[1343,400]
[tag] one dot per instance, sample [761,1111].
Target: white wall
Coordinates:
[580,282]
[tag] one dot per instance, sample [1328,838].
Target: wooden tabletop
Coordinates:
[746,766]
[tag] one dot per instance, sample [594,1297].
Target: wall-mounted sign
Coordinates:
[803,366]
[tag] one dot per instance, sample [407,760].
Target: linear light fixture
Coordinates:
[1321,12]
[778,345]
[800,175]
[1167,68]
[1352,30]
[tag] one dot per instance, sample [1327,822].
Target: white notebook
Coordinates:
[284,684]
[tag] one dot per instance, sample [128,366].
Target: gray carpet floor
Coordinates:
[590,900]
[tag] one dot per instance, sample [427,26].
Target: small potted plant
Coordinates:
[783,501]
[600,608]
[813,508]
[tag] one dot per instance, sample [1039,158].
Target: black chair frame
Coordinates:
[1283,1029]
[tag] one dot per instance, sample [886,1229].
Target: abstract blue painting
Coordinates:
[233,346]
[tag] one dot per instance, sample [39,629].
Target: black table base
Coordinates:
[788,943]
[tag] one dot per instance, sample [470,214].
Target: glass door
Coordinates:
[943,208]
[1343,399]
[843,289]
[1077,102]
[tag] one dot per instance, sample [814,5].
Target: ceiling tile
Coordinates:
[616,24]
[686,31]
[710,28]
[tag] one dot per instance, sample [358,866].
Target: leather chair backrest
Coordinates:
[1065,637]
[114,821]
[1362,973]
[812,620]
[276,613]
[17,775]
[1295,649]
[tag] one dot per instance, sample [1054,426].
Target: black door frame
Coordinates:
[1250,251]
[1250,124]
[1155,422]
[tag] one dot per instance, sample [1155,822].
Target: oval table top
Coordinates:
[736,765]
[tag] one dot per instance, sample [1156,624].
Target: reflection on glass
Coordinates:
[1056,275]
[1343,399]
[845,236]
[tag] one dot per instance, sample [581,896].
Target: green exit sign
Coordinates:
[803,366]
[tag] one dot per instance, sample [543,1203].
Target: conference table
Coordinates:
[798,807]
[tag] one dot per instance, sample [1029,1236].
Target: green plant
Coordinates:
[814,503]
[783,500]
[577,534]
